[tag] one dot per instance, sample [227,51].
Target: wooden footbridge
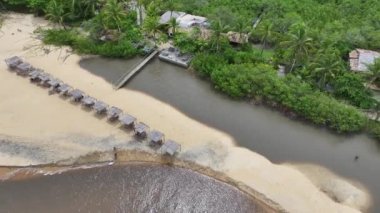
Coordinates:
[119,83]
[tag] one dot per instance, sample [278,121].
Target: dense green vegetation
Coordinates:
[310,38]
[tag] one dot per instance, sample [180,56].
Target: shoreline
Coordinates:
[58,129]
[103,159]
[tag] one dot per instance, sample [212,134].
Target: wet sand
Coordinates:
[57,129]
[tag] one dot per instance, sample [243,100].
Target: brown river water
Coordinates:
[255,127]
[144,188]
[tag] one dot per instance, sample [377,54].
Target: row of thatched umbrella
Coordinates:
[113,113]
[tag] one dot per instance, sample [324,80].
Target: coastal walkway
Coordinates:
[119,83]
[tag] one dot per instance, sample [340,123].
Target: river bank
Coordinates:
[58,130]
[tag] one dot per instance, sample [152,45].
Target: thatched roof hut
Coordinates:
[113,113]
[157,137]
[100,107]
[127,120]
[170,148]
[88,101]
[76,95]
[13,62]
[141,130]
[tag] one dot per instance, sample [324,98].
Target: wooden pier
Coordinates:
[119,83]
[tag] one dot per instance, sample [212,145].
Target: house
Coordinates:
[165,18]
[184,20]
[360,59]
[188,21]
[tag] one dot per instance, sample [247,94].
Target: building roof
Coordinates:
[113,112]
[35,73]
[24,67]
[64,88]
[13,61]
[170,14]
[360,59]
[53,82]
[170,147]
[141,128]
[127,119]
[100,106]
[184,20]
[44,77]
[76,94]
[234,37]
[88,101]
[156,136]
[188,20]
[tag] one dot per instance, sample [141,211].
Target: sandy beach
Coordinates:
[39,128]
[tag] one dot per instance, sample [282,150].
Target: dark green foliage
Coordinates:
[350,87]
[373,128]
[205,63]
[260,80]
[189,44]
[122,48]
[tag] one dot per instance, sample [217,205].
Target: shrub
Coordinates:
[260,80]
[205,63]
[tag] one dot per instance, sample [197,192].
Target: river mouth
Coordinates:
[143,187]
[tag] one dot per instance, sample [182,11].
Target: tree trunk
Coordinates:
[263,46]
[292,67]
[140,15]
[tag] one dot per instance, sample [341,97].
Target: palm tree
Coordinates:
[170,5]
[89,7]
[374,69]
[266,32]
[326,67]
[151,26]
[240,28]
[173,24]
[218,28]
[299,44]
[113,14]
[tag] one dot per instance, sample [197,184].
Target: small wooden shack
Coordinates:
[170,148]
[100,107]
[24,68]
[88,101]
[113,113]
[127,120]
[13,62]
[141,130]
[156,137]
[76,95]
